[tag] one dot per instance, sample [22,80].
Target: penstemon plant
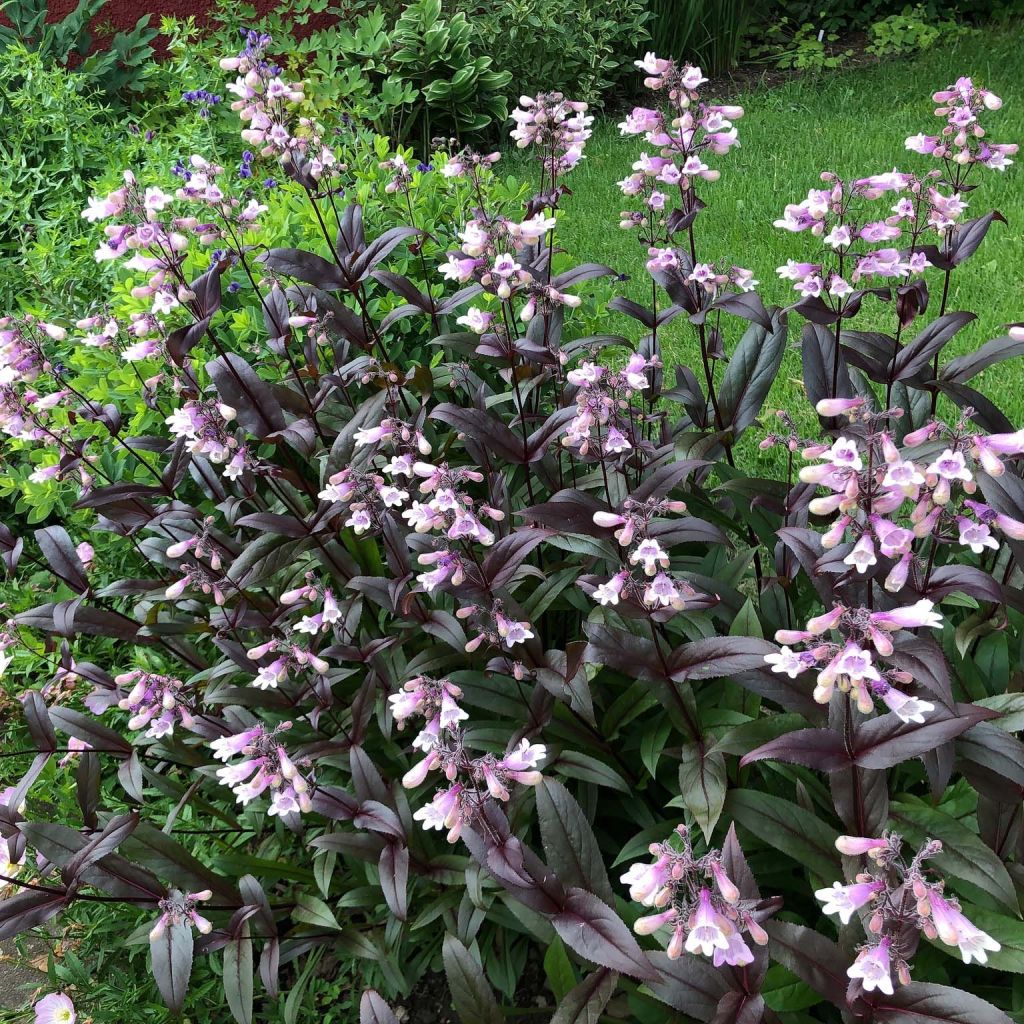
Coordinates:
[401,613]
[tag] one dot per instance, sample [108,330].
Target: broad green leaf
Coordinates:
[787,827]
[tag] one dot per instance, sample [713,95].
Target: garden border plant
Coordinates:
[554,565]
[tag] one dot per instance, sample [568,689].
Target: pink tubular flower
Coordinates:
[873,968]
[709,931]
[844,900]
[854,846]
[647,881]
[955,930]
[914,616]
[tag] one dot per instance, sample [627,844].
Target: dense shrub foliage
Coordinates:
[396,620]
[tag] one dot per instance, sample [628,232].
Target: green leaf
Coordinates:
[312,910]
[787,827]
[558,968]
[784,992]
[964,855]
[472,997]
[702,785]
[652,743]
[746,622]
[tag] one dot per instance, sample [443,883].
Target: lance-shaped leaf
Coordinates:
[99,845]
[484,428]
[107,871]
[747,305]
[817,961]
[583,272]
[998,350]
[964,856]
[239,386]
[472,997]
[886,741]
[584,1003]
[90,730]
[62,558]
[597,933]
[569,843]
[751,372]
[37,718]
[509,553]
[690,984]
[373,1009]
[821,749]
[172,954]
[739,1008]
[922,1003]
[304,266]
[238,975]
[394,878]
[623,651]
[718,656]
[702,784]
[29,909]
[787,827]
[993,762]
[917,354]
[965,239]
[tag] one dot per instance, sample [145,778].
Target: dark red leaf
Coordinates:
[594,931]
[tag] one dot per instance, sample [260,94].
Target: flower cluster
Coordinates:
[472,779]
[963,141]
[265,765]
[638,527]
[203,424]
[871,481]
[899,899]
[159,701]
[557,127]
[685,133]
[697,900]
[605,420]
[265,101]
[499,254]
[849,665]
[841,214]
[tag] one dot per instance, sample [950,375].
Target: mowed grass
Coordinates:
[854,123]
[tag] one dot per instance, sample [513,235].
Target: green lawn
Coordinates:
[853,122]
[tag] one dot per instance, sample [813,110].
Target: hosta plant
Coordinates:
[504,655]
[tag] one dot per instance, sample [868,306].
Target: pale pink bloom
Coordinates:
[646,881]
[862,557]
[905,707]
[956,930]
[873,968]
[55,1008]
[911,617]
[608,593]
[854,846]
[651,554]
[844,900]
[787,662]
[976,536]
[736,953]
[709,930]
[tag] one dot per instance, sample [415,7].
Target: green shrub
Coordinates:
[581,48]
[122,63]
[911,30]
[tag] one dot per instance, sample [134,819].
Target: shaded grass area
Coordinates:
[851,122]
